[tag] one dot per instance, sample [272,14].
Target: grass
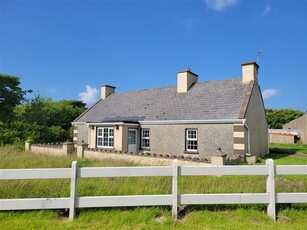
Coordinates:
[288,148]
[190,217]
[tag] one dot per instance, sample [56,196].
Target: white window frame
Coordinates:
[191,139]
[102,140]
[145,138]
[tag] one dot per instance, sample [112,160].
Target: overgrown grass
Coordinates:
[192,217]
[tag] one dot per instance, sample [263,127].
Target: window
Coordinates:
[105,137]
[191,140]
[145,139]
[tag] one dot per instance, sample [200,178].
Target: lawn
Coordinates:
[289,148]
[190,217]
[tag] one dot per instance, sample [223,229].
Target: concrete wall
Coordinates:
[170,139]
[300,124]
[281,138]
[80,134]
[92,136]
[136,159]
[257,123]
[55,150]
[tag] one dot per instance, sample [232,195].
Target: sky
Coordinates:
[67,49]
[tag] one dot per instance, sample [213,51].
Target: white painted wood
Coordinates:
[222,170]
[291,198]
[73,190]
[18,174]
[126,171]
[232,198]
[174,190]
[73,202]
[124,201]
[291,169]
[270,189]
[34,203]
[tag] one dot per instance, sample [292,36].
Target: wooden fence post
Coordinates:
[174,189]
[270,189]
[73,190]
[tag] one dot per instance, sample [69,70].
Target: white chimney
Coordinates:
[185,79]
[249,72]
[106,90]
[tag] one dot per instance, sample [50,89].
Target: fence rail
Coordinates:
[269,170]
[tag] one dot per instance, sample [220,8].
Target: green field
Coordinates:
[190,217]
[288,148]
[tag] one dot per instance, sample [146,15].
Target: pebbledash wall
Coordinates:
[210,138]
[137,158]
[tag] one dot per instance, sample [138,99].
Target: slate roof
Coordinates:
[210,100]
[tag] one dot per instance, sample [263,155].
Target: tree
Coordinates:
[278,117]
[47,121]
[10,95]
[39,119]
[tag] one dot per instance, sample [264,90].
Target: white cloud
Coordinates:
[90,96]
[268,93]
[267,9]
[220,5]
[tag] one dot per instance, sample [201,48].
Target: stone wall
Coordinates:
[50,149]
[141,159]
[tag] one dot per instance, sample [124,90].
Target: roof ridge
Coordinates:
[174,86]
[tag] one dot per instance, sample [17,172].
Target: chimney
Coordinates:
[185,79]
[249,72]
[106,90]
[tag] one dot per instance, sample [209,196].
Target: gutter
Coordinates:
[176,122]
[248,136]
[112,124]
[78,123]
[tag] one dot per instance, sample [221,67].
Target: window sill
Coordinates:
[145,149]
[102,147]
[191,152]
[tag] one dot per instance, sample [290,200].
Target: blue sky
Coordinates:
[66,49]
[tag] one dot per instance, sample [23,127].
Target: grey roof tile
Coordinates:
[204,101]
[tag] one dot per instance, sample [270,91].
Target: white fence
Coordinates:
[270,197]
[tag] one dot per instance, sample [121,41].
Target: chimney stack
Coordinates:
[106,90]
[249,72]
[185,79]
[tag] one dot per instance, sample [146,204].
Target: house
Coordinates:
[300,124]
[191,119]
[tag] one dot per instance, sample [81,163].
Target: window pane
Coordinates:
[99,142]
[111,142]
[111,132]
